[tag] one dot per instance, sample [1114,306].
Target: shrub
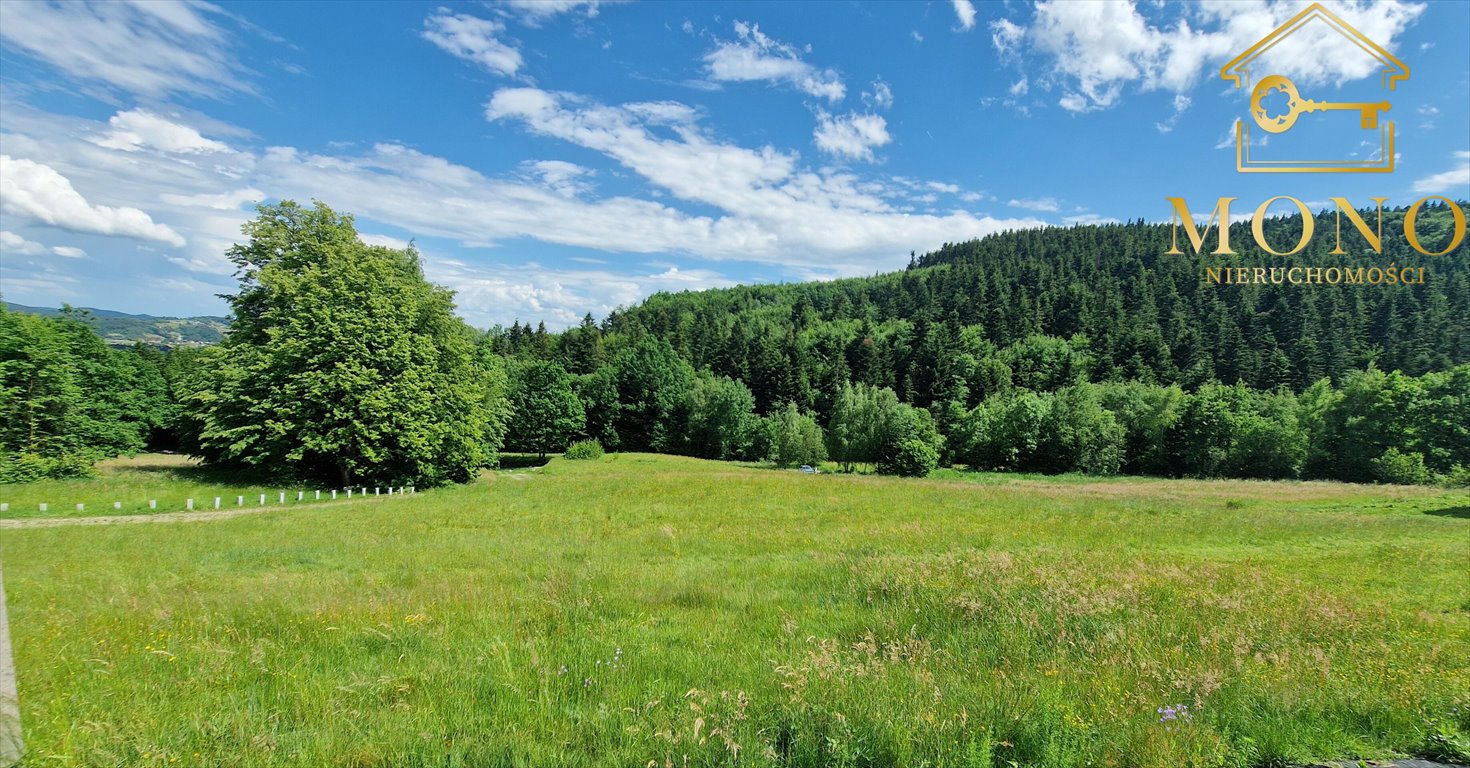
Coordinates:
[584,449]
[911,458]
[1396,466]
[25,467]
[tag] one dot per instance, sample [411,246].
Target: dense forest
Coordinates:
[1057,350]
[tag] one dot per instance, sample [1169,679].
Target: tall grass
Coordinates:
[653,610]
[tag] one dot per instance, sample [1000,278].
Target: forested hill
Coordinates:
[120,329]
[973,312]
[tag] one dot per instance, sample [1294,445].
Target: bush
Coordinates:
[1458,477]
[1395,466]
[25,467]
[584,449]
[911,458]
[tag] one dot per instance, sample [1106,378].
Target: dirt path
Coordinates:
[173,517]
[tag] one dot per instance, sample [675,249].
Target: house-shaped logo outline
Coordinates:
[1237,71]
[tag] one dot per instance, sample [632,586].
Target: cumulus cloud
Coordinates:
[38,192]
[964,10]
[473,39]
[852,136]
[152,49]
[68,252]
[755,57]
[1092,50]
[138,129]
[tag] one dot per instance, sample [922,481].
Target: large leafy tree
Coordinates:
[344,363]
[545,410]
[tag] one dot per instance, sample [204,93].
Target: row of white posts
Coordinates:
[240,500]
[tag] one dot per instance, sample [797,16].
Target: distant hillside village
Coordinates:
[120,329]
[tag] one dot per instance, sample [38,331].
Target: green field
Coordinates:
[656,611]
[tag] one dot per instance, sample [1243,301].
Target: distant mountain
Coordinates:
[121,329]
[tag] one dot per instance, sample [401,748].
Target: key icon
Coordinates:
[1367,112]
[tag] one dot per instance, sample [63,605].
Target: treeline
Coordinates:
[1373,427]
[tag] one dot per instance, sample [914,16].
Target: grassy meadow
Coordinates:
[659,611]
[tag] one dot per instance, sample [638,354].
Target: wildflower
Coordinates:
[1171,715]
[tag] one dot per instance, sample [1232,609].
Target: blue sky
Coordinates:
[554,158]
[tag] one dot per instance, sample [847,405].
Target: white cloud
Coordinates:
[707,200]
[223,201]
[965,11]
[565,179]
[534,12]
[771,207]
[1092,50]
[15,244]
[37,191]
[1455,181]
[1043,204]
[1181,103]
[1006,36]
[473,39]
[758,57]
[852,136]
[1087,219]
[881,97]
[150,49]
[138,128]
[385,241]
[501,293]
